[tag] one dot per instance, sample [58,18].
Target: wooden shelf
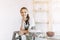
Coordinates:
[40,2]
[40,10]
[41,22]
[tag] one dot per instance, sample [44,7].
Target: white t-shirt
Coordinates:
[31,22]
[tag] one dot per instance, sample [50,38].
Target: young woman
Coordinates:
[25,23]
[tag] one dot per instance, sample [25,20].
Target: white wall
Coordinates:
[10,17]
[56,16]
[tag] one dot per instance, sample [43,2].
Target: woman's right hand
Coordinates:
[21,32]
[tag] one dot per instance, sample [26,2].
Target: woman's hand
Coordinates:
[23,32]
[24,18]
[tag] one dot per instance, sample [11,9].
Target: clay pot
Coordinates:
[50,34]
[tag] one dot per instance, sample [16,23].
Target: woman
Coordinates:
[25,23]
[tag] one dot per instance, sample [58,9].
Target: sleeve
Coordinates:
[32,23]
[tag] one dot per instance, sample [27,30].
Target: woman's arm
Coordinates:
[21,28]
[23,31]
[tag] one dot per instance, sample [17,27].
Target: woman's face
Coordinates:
[23,12]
